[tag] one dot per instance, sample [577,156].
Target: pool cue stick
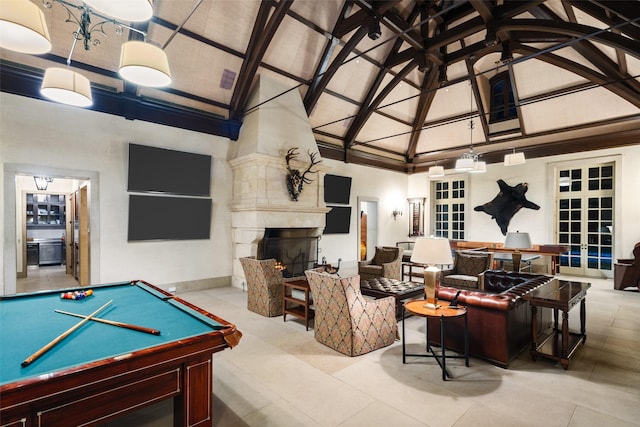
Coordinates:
[62,336]
[114,323]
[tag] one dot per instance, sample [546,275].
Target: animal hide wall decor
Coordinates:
[505,205]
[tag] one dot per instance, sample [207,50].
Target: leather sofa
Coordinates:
[499,318]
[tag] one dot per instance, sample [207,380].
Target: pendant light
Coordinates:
[469,161]
[67,87]
[514,158]
[23,27]
[436,172]
[126,10]
[144,64]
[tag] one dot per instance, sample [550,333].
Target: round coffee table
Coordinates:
[443,312]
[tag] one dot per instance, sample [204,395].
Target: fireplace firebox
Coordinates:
[295,248]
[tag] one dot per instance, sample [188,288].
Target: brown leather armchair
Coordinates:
[626,272]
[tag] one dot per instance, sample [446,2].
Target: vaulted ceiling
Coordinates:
[393,84]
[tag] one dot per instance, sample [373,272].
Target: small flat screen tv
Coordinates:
[338,220]
[168,218]
[337,189]
[153,169]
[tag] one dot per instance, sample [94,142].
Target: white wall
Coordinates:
[389,189]
[61,140]
[539,175]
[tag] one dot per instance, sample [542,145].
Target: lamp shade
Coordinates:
[432,251]
[514,159]
[479,167]
[126,10]
[464,164]
[66,86]
[23,27]
[144,64]
[517,240]
[436,171]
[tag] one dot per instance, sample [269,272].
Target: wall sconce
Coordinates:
[396,212]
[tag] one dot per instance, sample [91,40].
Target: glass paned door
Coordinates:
[585,197]
[449,209]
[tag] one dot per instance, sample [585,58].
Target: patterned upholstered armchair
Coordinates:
[264,286]
[467,267]
[387,262]
[345,320]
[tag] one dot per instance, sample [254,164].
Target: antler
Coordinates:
[313,163]
[291,154]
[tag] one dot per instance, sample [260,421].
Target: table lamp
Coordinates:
[517,241]
[431,251]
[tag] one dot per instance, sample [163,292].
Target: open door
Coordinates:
[367,227]
[81,242]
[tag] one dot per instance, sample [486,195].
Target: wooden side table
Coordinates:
[297,307]
[558,295]
[443,312]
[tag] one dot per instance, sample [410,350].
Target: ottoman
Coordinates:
[380,287]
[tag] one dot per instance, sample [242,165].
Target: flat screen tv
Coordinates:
[168,218]
[338,220]
[153,169]
[337,189]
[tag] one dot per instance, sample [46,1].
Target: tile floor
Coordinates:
[280,376]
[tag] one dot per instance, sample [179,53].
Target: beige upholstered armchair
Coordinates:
[264,286]
[467,268]
[387,262]
[345,320]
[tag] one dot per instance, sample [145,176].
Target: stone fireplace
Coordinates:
[261,206]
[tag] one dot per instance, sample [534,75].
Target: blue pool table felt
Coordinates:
[28,323]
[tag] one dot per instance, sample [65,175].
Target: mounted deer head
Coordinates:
[296,180]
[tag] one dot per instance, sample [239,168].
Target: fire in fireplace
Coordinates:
[295,248]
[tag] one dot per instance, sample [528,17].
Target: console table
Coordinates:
[553,251]
[443,312]
[525,262]
[558,295]
[297,305]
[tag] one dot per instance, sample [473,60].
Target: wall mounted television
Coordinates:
[338,220]
[337,189]
[168,218]
[153,169]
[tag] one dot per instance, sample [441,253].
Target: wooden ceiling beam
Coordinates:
[263,31]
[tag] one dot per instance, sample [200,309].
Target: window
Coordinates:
[449,209]
[503,106]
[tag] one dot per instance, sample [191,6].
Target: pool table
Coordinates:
[101,371]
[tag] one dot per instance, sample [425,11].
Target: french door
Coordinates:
[585,212]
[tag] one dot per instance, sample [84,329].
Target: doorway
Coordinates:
[367,227]
[15,217]
[585,212]
[54,248]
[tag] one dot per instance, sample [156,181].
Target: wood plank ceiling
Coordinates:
[392,84]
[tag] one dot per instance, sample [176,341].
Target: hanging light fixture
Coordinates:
[126,10]
[42,182]
[23,27]
[141,63]
[469,161]
[67,87]
[479,167]
[466,162]
[436,172]
[144,64]
[514,158]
